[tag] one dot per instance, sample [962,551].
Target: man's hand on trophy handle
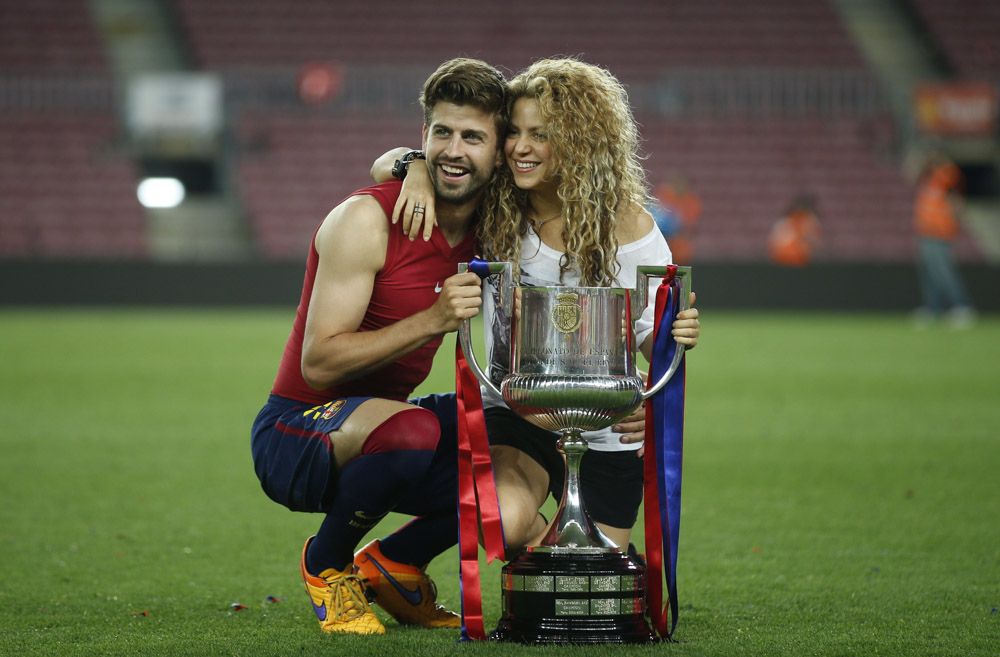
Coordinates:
[459,299]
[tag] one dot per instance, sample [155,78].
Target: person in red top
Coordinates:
[338,435]
[796,234]
[938,203]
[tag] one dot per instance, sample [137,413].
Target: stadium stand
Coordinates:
[294,161]
[47,37]
[747,170]
[301,165]
[968,33]
[304,162]
[634,39]
[64,191]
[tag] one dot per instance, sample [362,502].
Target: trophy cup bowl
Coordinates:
[573,370]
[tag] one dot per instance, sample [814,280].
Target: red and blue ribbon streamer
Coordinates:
[663,461]
[477,494]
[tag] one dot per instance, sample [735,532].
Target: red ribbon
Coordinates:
[477,497]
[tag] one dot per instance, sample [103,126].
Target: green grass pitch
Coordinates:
[841,492]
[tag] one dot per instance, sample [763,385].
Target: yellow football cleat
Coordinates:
[405,591]
[338,598]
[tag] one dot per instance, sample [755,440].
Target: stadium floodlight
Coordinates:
[161,192]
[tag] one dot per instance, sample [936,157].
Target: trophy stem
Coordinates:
[572,526]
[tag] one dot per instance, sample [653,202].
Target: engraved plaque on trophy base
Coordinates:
[576,595]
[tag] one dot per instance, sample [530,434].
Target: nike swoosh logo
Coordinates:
[319,609]
[438,288]
[413,597]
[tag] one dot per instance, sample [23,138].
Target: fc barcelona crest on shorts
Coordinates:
[327,410]
[332,408]
[568,315]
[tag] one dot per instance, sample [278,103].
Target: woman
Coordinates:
[569,209]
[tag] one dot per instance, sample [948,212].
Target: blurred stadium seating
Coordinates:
[634,39]
[749,98]
[45,37]
[65,192]
[747,170]
[305,165]
[968,33]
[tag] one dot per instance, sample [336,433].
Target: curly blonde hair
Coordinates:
[595,158]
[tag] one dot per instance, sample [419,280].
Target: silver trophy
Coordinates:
[573,369]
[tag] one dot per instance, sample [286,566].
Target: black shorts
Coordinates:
[610,482]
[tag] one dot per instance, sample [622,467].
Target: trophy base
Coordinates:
[573,596]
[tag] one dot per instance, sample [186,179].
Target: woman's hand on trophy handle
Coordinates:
[686,327]
[632,428]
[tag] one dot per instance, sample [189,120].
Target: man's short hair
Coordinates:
[464,81]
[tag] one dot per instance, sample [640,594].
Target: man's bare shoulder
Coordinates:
[355,231]
[358,214]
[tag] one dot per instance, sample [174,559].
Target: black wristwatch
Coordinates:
[402,165]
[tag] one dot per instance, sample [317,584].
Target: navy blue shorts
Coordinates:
[293,458]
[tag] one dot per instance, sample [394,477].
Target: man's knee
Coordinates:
[410,429]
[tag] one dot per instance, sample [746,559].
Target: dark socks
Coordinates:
[422,539]
[367,489]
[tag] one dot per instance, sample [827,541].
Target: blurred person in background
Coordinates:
[796,234]
[568,210]
[939,203]
[338,434]
[677,213]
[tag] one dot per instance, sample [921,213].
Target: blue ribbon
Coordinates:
[479,267]
[668,413]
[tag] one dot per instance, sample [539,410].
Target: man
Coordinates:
[337,435]
[936,212]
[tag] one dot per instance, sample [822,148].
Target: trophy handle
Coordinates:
[485,269]
[643,273]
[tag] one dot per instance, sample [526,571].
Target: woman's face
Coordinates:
[527,148]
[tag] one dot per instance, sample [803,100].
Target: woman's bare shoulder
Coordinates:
[634,222]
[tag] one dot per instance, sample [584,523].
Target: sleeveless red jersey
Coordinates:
[409,282]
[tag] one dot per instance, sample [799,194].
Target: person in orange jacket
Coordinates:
[939,202]
[678,214]
[796,234]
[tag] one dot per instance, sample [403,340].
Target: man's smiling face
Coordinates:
[461,146]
